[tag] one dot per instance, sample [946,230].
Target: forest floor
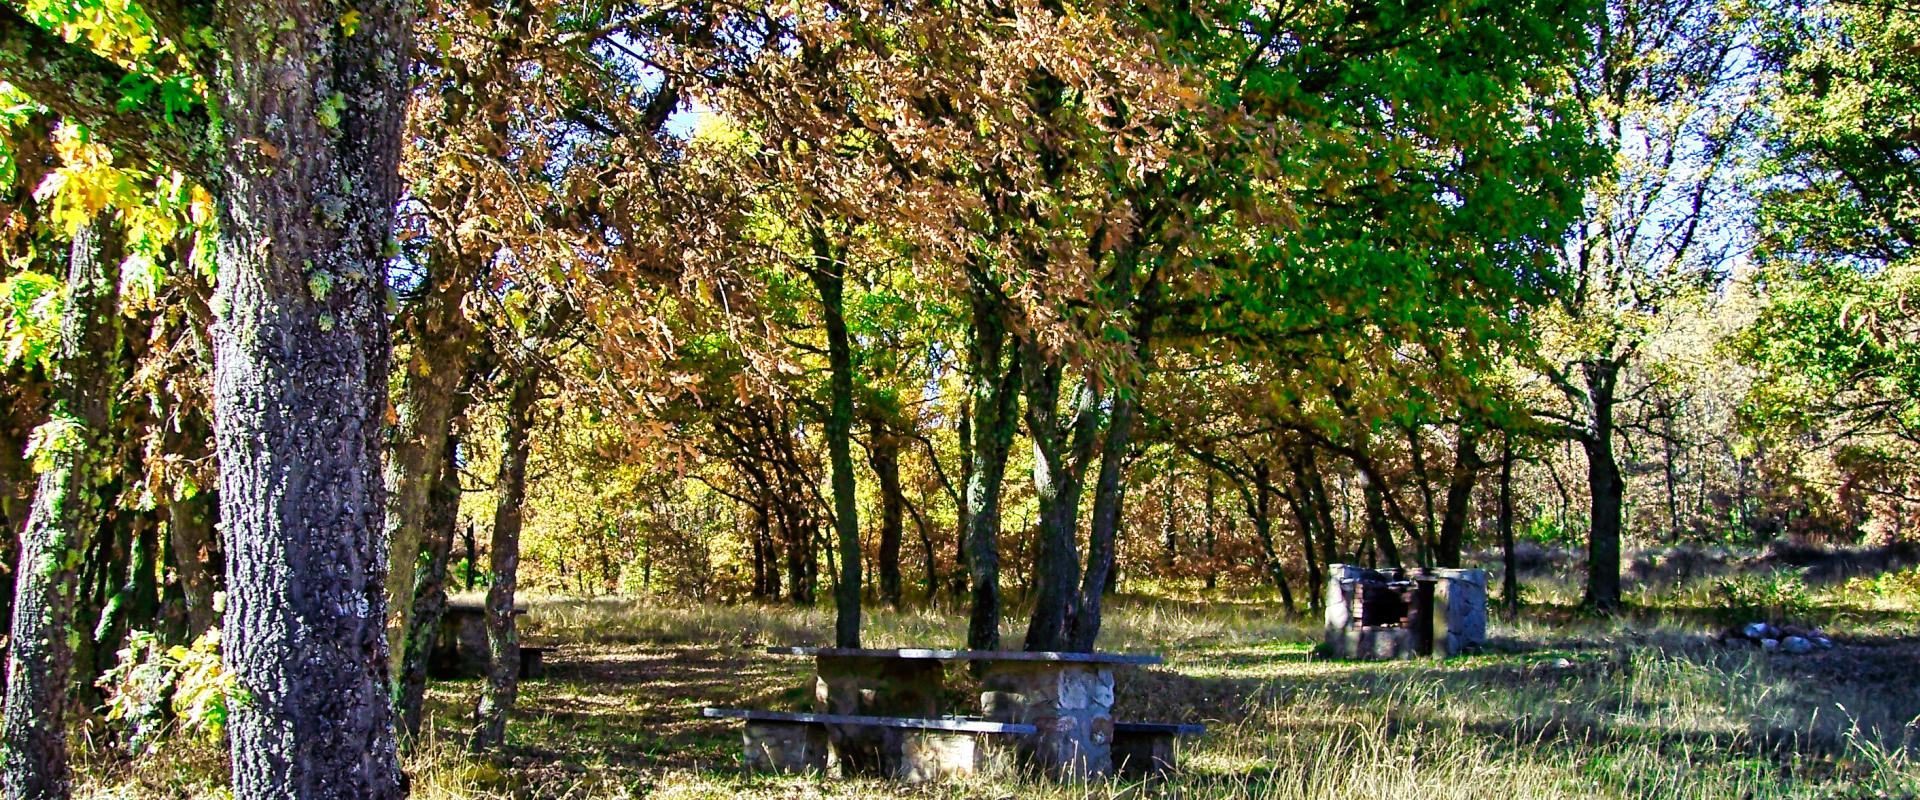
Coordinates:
[1648,704]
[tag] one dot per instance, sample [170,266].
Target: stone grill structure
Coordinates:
[1394,613]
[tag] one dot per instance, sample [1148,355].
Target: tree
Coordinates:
[67,509]
[1668,92]
[310,100]
[1835,344]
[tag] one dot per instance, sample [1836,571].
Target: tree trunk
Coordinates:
[503,573]
[429,598]
[886,466]
[995,402]
[63,519]
[1605,488]
[828,278]
[440,337]
[1060,453]
[1383,544]
[1298,503]
[1510,582]
[1109,495]
[1453,525]
[1212,532]
[311,116]
[196,557]
[1256,500]
[1322,504]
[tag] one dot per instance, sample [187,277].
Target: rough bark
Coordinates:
[995,402]
[1605,488]
[311,118]
[430,584]
[503,570]
[885,458]
[66,513]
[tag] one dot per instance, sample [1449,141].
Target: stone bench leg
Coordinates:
[1071,704]
[532,663]
[874,687]
[936,755]
[785,746]
[1140,756]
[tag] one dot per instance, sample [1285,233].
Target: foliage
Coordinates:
[30,324]
[159,690]
[1779,596]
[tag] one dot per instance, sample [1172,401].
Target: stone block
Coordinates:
[785,746]
[1460,611]
[934,755]
[1071,704]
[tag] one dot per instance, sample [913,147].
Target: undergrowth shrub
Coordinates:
[158,690]
[1779,595]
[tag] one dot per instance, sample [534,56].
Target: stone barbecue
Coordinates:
[1396,613]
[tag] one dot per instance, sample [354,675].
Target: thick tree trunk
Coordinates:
[503,572]
[995,402]
[830,281]
[1109,496]
[63,519]
[885,458]
[311,118]
[1605,489]
[1453,523]
[429,596]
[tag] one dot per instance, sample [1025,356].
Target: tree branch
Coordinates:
[84,87]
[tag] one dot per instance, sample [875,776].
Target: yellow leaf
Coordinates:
[350,22]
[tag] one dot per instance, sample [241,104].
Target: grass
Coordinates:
[1641,705]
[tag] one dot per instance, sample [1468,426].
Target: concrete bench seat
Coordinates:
[533,661]
[905,748]
[1145,749]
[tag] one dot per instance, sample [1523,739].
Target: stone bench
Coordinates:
[904,748]
[533,662]
[1144,750]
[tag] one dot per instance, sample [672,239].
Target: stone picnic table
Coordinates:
[1066,697]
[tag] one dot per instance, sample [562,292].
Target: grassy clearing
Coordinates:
[1645,705]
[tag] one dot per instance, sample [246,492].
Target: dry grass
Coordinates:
[1567,706]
